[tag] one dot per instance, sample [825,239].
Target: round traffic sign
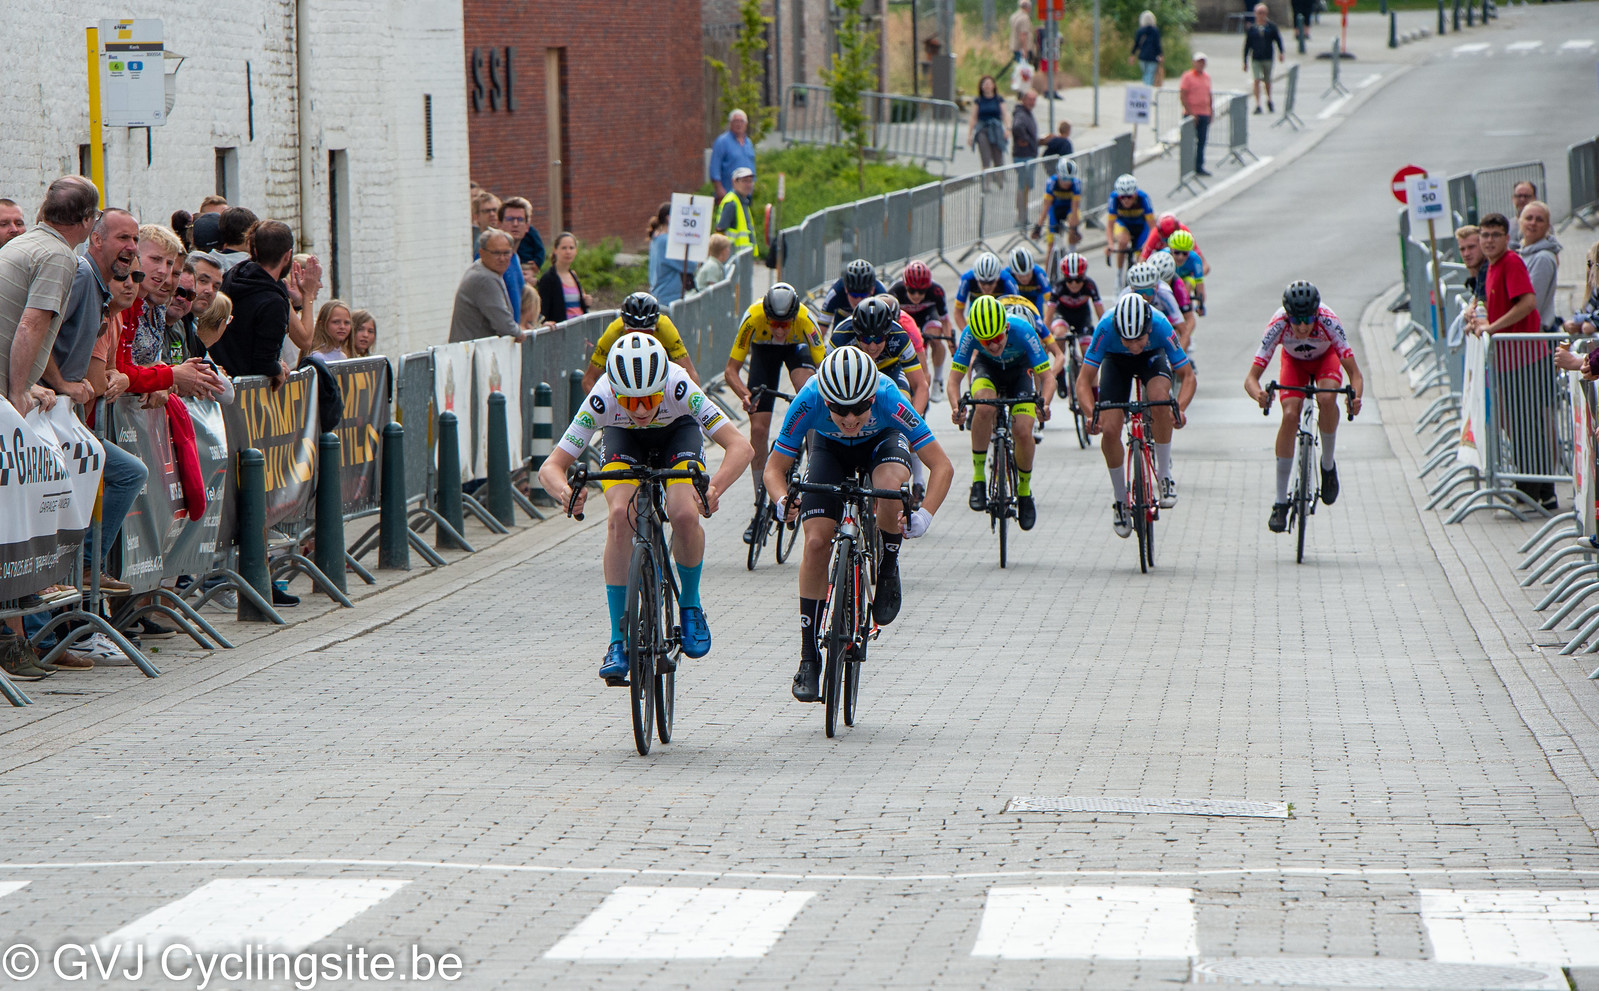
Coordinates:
[1401,177]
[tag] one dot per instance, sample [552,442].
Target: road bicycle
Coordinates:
[1002,474]
[846,624]
[1143,499]
[1306,488]
[766,521]
[650,631]
[1067,389]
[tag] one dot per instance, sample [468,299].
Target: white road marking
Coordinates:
[1123,923]
[276,913]
[1332,108]
[1369,80]
[1231,180]
[1513,926]
[1577,45]
[7,887]
[1523,47]
[1475,48]
[681,923]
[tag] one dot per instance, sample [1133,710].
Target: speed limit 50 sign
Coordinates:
[1427,198]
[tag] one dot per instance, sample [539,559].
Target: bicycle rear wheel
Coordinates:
[1140,500]
[788,533]
[1303,496]
[1153,513]
[643,633]
[840,629]
[665,684]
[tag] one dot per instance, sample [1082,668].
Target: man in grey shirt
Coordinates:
[482,303]
[113,244]
[36,273]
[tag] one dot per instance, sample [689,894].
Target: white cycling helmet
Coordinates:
[1132,317]
[986,268]
[1126,184]
[1143,276]
[1066,168]
[1165,265]
[848,376]
[637,365]
[1021,262]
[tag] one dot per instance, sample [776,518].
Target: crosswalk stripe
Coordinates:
[1577,45]
[274,913]
[638,923]
[1125,922]
[1473,48]
[1523,47]
[7,887]
[1513,926]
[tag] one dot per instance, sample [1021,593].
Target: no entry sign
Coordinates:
[1401,181]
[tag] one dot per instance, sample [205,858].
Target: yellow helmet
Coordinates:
[987,318]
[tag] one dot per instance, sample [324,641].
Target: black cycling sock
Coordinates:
[810,619]
[890,559]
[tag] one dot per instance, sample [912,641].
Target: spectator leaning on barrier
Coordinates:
[987,132]
[125,474]
[1059,143]
[1194,90]
[36,273]
[1541,252]
[1521,194]
[1469,243]
[364,335]
[253,342]
[11,222]
[731,150]
[1147,49]
[482,304]
[160,251]
[561,296]
[714,268]
[1524,390]
[113,246]
[1024,148]
[233,230]
[666,272]
[514,213]
[180,316]
[1258,43]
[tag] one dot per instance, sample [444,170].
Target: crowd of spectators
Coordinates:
[95,305]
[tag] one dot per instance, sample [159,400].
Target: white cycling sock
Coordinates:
[1327,450]
[1163,460]
[1118,483]
[1285,468]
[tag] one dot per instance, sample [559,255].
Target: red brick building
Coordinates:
[622,81]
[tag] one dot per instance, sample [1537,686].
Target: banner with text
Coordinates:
[36,499]
[282,424]
[366,387]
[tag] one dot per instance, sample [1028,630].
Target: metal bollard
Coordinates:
[1457,16]
[250,481]
[329,556]
[1443,27]
[1393,29]
[499,462]
[543,433]
[449,497]
[1471,16]
[394,545]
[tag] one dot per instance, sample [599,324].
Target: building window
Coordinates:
[427,123]
[85,166]
[227,174]
[338,222]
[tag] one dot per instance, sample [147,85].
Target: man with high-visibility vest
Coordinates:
[734,212]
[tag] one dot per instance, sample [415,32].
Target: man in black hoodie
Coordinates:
[253,342]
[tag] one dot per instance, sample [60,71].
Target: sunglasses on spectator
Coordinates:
[181,293]
[856,410]
[134,277]
[641,404]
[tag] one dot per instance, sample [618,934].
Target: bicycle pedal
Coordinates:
[667,663]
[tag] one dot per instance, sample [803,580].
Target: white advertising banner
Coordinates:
[452,393]
[497,366]
[1473,405]
[40,489]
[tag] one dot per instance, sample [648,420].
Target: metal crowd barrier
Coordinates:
[902,126]
[1582,169]
[1491,187]
[1290,92]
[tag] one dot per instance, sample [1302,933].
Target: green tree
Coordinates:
[745,92]
[851,76]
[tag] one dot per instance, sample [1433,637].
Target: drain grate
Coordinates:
[1378,973]
[1167,806]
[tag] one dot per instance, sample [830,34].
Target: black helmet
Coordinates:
[860,278]
[872,318]
[1301,300]
[640,311]
[781,302]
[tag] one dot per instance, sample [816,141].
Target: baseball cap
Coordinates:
[742,173]
[1200,57]
[207,232]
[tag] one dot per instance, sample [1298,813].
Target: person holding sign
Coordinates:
[734,212]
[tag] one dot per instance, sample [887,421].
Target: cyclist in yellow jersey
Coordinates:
[777,332]
[640,312]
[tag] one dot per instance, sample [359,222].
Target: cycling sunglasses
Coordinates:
[870,340]
[641,404]
[856,410]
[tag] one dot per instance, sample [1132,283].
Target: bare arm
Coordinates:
[31,332]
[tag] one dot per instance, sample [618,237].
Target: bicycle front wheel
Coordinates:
[840,628]
[665,683]
[642,629]
[1078,419]
[1304,495]
[999,477]
[788,533]
[1141,503]
[762,523]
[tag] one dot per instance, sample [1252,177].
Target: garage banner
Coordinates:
[47,487]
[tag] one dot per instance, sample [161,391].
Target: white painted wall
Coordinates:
[368,64]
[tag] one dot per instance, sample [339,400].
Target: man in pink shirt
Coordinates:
[1194,89]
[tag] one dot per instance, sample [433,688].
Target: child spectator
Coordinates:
[714,268]
[365,334]
[330,337]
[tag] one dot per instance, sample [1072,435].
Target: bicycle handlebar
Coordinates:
[939,337]
[1000,401]
[579,475]
[760,390]
[1134,407]
[849,487]
[1308,391]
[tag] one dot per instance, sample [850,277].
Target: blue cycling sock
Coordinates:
[616,598]
[689,577]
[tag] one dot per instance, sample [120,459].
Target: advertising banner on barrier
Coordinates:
[159,513]
[84,455]
[1473,405]
[282,424]
[1582,451]
[364,384]
[35,488]
[452,393]
[497,367]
